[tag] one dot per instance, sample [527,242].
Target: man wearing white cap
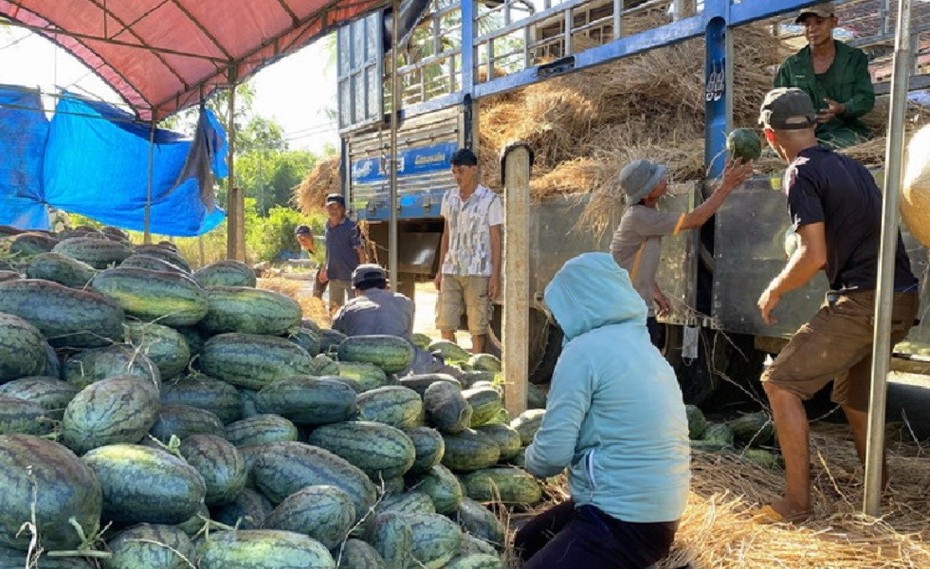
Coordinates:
[637,243]
[834,75]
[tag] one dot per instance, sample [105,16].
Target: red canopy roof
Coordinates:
[164,55]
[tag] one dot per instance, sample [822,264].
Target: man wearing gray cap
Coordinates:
[834,75]
[637,242]
[836,210]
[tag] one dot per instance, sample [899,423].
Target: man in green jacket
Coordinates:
[835,75]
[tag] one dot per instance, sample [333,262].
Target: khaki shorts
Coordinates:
[469,293]
[338,291]
[836,344]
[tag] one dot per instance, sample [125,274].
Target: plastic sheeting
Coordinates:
[23,132]
[93,160]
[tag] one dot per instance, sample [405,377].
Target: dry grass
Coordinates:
[302,291]
[718,530]
[323,179]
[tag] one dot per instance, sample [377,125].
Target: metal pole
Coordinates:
[881,344]
[516,167]
[395,107]
[147,218]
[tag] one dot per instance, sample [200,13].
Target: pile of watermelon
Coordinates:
[154,416]
[750,435]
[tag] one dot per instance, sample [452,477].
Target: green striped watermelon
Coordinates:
[307,400]
[247,511]
[119,409]
[504,483]
[98,253]
[435,539]
[150,546]
[323,512]
[204,392]
[95,364]
[43,478]
[60,269]
[446,407]
[264,549]
[393,405]
[251,360]
[22,348]
[390,353]
[18,416]
[250,311]
[260,429]
[442,487]
[469,450]
[49,392]
[430,448]
[228,272]
[183,421]
[169,298]
[219,463]
[480,522]
[358,554]
[164,346]
[381,451]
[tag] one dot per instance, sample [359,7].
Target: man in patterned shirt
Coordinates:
[469,253]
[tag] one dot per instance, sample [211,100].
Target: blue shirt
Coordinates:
[341,255]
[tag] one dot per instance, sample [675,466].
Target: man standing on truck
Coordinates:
[836,209]
[469,253]
[344,251]
[834,75]
[637,243]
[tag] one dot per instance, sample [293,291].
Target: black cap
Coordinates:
[464,157]
[787,108]
[302,230]
[336,198]
[368,273]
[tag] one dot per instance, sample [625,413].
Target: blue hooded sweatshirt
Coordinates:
[615,415]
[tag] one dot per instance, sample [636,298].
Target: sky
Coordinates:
[294,91]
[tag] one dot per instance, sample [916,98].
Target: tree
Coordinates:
[269,177]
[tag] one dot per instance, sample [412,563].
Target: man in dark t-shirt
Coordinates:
[836,210]
[344,251]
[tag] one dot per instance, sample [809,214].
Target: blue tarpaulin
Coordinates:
[96,162]
[23,132]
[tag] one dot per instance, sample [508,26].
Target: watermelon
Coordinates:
[379,450]
[390,353]
[697,423]
[744,144]
[22,348]
[65,316]
[247,511]
[152,547]
[323,364]
[310,341]
[219,463]
[421,341]
[446,407]
[183,421]
[18,416]
[128,475]
[98,253]
[95,364]
[392,537]
[31,243]
[451,352]
[435,539]
[251,360]
[264,549]
[119,409]
[485,362]
[754,429]
[45,478]
[148,262]
[60,269]
[204,392]
[469,450]
[480,522]
[503,483]
[16,559]
[228,272]
[250,311]
[49,392]
[442,487]
[164,346]
[718,434]
[358,554]
[485,403]
[171,299]
[472,545]
[282,468]
[420,382]
[307,400]
[429,446]
[527,423]
[194,525]
[393,405]
[412,501]
[507,439]
[323,512]
[366,376]
[330,339]
[260,429]
[165,253]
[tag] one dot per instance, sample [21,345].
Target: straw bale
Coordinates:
[323,179]
[719,529]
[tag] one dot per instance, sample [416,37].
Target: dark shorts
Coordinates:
[566,537]
[836,344]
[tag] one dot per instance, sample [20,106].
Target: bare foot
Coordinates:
[782,511]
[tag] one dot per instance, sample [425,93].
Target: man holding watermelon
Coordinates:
[834,75]
[836,209]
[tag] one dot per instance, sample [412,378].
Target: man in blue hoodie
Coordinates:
[616,419]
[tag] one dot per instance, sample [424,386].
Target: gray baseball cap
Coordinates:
[824,10]
[787,108]
[639,178]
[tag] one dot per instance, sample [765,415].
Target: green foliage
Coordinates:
[271,238]
[270,176]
